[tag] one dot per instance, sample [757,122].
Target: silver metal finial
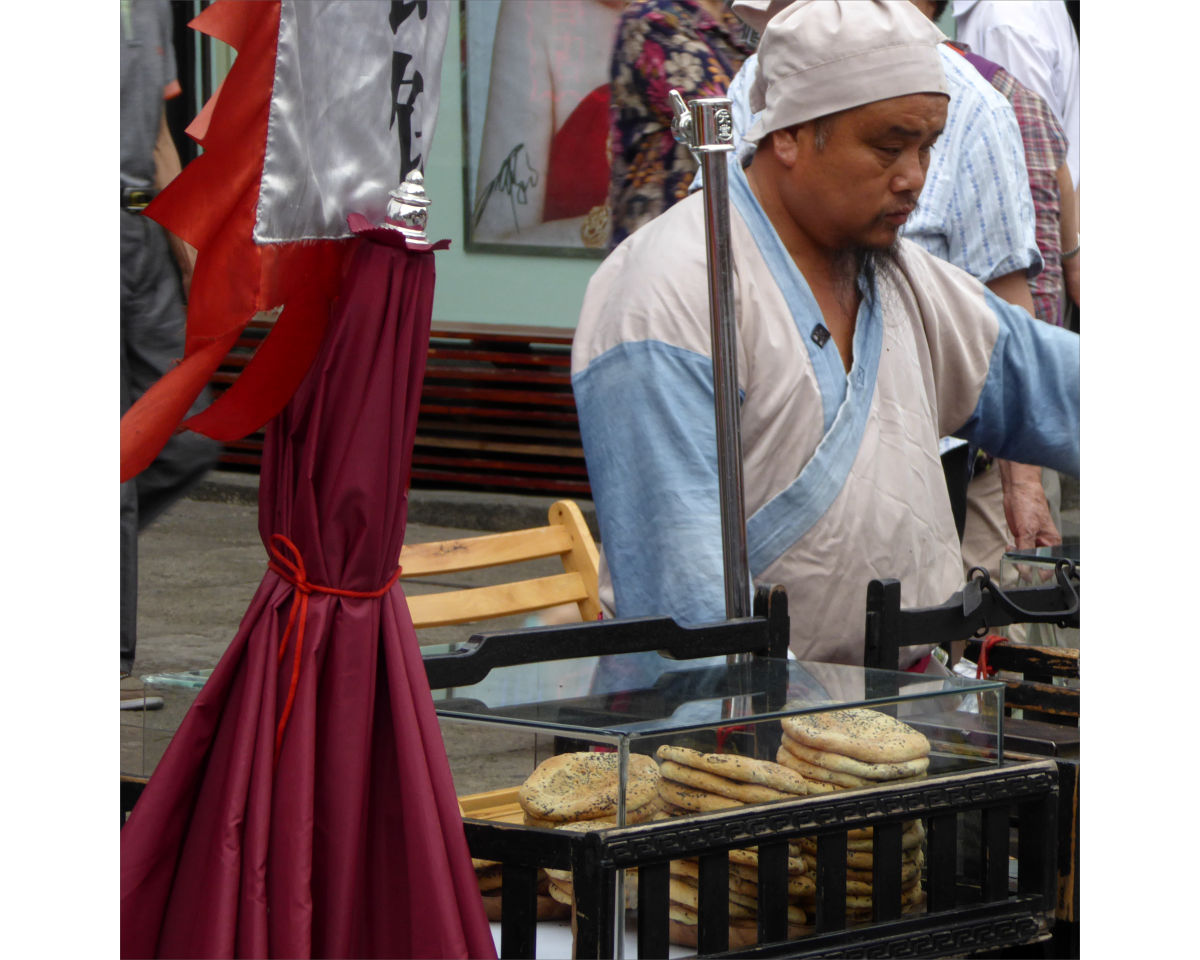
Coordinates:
[408,207]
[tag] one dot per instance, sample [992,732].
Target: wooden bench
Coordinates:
[497,410]
[566,536]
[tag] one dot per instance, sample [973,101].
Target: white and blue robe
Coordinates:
[843,481]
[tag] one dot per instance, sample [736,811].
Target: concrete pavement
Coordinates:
[202,561]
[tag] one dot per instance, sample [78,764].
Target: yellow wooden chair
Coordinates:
[566,536]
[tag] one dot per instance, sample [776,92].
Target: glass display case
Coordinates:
[677,715]
[636,703]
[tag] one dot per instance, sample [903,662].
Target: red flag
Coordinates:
[287,154]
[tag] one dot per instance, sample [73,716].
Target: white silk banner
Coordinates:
[353,109]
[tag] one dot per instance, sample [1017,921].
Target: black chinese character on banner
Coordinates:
[403,110]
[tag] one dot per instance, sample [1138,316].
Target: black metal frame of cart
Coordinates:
[979,607]
[963,913]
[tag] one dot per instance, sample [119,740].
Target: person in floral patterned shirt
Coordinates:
[695,46]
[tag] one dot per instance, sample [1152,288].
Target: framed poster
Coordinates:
[535,124]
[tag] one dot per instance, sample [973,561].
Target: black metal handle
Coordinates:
[1064,572]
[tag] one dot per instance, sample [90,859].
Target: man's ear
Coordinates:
[785,146]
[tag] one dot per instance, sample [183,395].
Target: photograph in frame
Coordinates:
[535,124]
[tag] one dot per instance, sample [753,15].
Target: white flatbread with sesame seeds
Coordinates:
[749,857]
[489,881]
[909,894]
[721,786]
[688,895]
[798,884]
[693,800]
[848,766]
[690,870]
[583,786]
[812,772]
[910,839]
[643,814]
[815,787]
[564,890]
[862,860]
[859,733]
[735,767]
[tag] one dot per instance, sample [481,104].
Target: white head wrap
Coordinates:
[817,57]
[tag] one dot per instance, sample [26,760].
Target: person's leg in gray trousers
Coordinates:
[152,333]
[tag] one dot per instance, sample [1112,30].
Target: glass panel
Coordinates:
[643,694]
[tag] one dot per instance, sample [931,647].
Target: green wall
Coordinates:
[488,287]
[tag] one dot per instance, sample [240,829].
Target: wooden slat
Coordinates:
[1051,661]
[498,395]
[1043,697]
[481,464]
[431,407]
[504,599]
[499,804]
[446,352]
[567,436]
[471,553]
[518,333]
[453,478]
[501,446]
[538,378]
[583,557]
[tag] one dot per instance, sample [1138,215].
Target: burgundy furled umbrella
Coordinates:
[305,807]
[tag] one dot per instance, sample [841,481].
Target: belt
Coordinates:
[137,198]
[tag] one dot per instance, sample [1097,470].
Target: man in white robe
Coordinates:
[856,352]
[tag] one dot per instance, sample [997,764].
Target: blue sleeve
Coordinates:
[647,421]
[1028,410]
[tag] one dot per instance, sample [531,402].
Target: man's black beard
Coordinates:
[855,262]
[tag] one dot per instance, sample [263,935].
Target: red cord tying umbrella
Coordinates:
[305,807]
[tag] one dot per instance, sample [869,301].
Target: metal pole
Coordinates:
[706,126]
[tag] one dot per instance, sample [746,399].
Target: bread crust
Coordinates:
[847,766]
[734,767]
[583,786]
[860,733]
[722,786]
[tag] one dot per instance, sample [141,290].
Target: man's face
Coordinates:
[860,187]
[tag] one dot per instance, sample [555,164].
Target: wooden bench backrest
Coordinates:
[1035,691]
[566,535]
[497,410]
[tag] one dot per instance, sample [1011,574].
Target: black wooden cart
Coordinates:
[973,904]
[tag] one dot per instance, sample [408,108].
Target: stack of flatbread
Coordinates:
[859,871]
[693,782]
[579,791]
[584,786]
[846,749]
[489,874]
[743,898]
[561,883]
